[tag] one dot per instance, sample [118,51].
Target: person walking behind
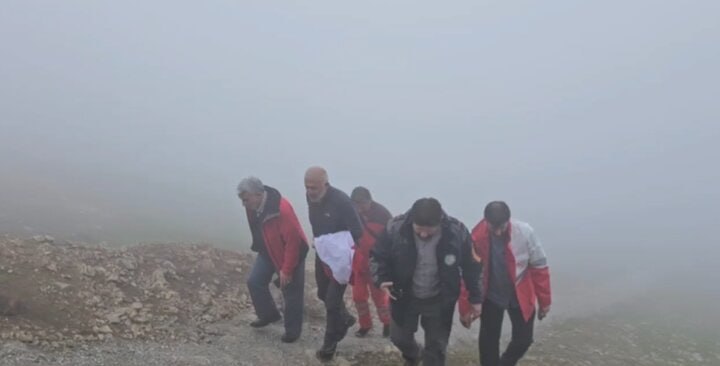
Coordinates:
[374,217]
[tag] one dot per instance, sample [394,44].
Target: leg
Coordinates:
[382,304]
[490,328]
[321,279]
[337,315]
[522,337]
[294,294]
[437,326]
[360,297]
[403,336]
[258,286]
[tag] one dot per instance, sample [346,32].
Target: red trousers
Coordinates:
[362,288]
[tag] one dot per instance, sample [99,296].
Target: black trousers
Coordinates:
[435,317]
[491,322]
[337,316]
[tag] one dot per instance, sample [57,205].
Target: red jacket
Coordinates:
[526,262]
[373,227]
[283,236]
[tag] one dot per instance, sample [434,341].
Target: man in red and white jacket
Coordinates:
[374,217]
[515,276]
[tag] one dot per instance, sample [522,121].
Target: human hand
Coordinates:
[543,312]
[285,279]
[385,286]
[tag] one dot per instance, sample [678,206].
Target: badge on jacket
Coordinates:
[450,259]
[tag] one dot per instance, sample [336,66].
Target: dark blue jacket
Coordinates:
[334,213]
[394,257]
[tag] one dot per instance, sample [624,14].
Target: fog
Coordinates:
[597,122]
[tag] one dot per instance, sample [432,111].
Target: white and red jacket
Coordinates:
[526,262]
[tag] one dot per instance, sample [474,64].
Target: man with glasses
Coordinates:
[419,261]
[515,276]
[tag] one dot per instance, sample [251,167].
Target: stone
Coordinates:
[128,263]
[62,285]
[157,279]
[44,239]
[115,318]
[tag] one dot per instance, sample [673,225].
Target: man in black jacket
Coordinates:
[331,211]
[420,261]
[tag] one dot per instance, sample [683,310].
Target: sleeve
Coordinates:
[380,259]
[351,219]
[294,238]
[539,271]
[471,270]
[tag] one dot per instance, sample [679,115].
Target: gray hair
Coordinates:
[250,185]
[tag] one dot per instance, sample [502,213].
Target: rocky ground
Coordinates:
[64,303]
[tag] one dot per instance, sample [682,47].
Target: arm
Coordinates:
[380,259]
[351,219]
[294,238]
[539,272]
[471,270]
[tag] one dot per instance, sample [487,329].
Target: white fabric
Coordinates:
[336,250]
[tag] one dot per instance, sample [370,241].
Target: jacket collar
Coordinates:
[271,208]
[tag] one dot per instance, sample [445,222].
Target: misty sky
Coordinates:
[134,121]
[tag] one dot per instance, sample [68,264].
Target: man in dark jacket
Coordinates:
[280,243]
[331,211]
[420,261]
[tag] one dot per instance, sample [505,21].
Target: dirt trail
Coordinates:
[67,303]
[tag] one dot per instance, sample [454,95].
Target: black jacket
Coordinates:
[394,257]
[334,213]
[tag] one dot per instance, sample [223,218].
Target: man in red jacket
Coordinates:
[515,274]
[279,240]
[374,217]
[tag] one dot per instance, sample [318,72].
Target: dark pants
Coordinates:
[337,316]
[436,320]
[490,329]
[265,308]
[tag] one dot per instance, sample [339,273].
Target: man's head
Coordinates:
[426,217]
[316,183]
[362,199]
[251,191]
[497,215]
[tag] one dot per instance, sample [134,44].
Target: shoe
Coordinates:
[412,362]
[362,332]
[386,331]
[349,322]
[325,354]
[289,339]
[263,323]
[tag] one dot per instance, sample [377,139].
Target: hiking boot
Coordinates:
[415,362]
[264,322]
[362,332]
[286,338]
[386,330]
[325,354]
[349,322]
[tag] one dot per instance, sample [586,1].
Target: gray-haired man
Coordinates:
[279,240]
